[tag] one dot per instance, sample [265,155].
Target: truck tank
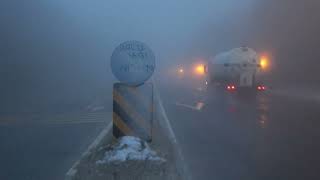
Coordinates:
[238,66]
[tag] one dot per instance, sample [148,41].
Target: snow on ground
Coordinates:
[129,148]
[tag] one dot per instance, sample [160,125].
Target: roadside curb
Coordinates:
[105,137]
[98,141]
[181,166]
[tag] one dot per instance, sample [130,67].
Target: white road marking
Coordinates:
[60,119]
[74,122]
[163,112]
[172,136]
[73,170]
[198,106]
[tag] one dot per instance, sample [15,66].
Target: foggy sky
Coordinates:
[54,51]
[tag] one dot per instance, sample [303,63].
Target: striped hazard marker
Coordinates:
[133,110]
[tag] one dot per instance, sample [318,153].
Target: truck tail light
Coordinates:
[231,87]
[261,88]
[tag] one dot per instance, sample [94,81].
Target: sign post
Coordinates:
[133,63]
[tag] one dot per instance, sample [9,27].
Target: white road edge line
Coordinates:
[72,171]
[172,135]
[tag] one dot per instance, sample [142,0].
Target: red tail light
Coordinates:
[261,88]
[231,87]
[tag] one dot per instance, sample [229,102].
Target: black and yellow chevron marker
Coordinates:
[133,111]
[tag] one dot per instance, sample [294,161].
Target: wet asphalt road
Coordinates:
[227,136]
[222,136]
[44,148]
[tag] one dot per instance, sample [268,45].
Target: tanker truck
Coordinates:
[237,69]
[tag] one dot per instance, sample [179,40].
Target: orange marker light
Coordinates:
[199,69]
[264,62]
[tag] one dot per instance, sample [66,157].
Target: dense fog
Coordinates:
[55,54]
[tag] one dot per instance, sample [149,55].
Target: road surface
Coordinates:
[44,147]
[221,135]
[225,136]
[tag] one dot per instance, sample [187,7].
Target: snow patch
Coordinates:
[129,148]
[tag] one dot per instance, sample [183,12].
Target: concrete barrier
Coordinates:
[164,143]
